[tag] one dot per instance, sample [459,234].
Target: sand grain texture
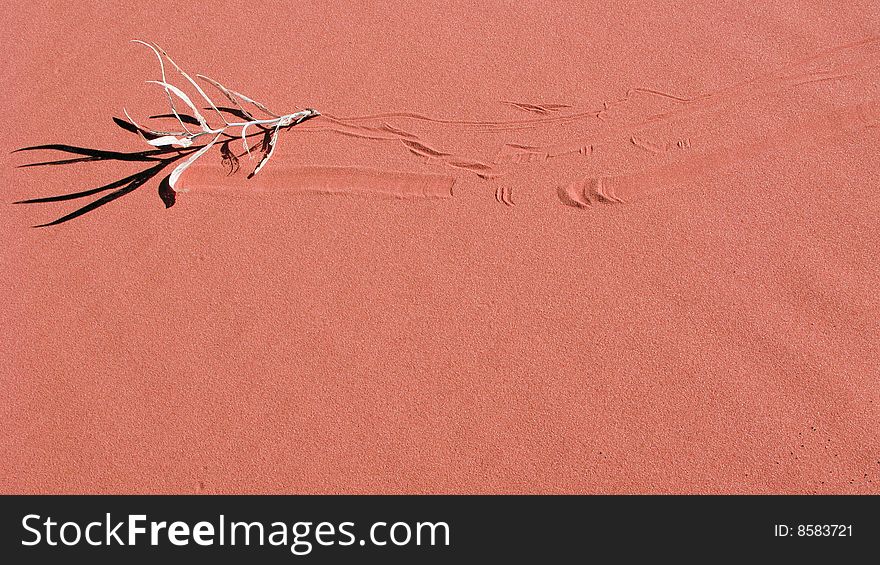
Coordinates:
[573,247]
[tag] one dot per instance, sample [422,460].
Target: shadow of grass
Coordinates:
[157,159]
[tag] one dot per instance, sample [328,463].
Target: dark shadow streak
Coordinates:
[187,119]
[134,182]
[159,158]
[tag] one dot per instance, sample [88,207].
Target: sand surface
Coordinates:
[529,247]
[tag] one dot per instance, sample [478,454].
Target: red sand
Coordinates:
[682,297]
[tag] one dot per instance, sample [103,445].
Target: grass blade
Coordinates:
[175,174]
[233,97]
[269,151]
[228,94]
[182,95]
[192,82]
[164,79]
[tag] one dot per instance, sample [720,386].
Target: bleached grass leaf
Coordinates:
[176,148]
[268,154]
[233,95]
[192,82]
[244,140]
[164,80]
[170,140]
[257,104]
[228,94]
[175,174]
[182,95]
